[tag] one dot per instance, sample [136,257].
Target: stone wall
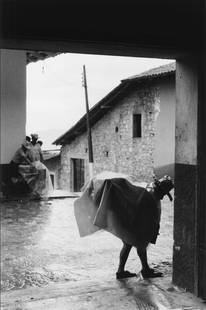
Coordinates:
[114,147]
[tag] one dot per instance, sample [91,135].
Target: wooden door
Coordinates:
[78,174]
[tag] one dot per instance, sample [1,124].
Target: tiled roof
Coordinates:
[50,154]
[159,71]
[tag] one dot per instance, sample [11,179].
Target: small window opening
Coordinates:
[116,129]
[137,125]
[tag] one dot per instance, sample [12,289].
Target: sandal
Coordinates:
[125,274]
[151,273]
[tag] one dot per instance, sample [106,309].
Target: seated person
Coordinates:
[20,158]
[40,143]
[34,150]
[42,187]
[26,167]
[15,182]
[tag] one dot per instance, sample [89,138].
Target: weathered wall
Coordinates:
[54,166]
[118,151]
[12,95]
[201,192]
[185,206]
[164,152]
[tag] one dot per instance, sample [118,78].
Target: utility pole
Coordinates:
[91,162]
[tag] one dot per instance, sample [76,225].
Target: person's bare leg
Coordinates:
[146,271]
[124,253]
[142,253]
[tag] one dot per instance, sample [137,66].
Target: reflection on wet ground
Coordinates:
[40,244]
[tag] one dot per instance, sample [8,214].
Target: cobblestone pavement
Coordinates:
[41,247]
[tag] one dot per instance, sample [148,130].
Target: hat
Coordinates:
[34,135]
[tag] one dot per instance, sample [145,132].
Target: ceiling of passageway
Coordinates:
[172,24]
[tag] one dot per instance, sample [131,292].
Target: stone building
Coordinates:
[52,162]
[133,131]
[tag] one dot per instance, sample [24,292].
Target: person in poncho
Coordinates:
[130,212]
[43,187]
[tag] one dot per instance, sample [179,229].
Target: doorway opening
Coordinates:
[153,99]
[78,171]
[107,142]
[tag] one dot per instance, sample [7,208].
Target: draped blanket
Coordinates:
[115,204]
[37,177]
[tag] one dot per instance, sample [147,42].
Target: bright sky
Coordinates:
[55,96]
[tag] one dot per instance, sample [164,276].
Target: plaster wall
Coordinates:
[186,206]
[186,114]
[164,152]
[12,101]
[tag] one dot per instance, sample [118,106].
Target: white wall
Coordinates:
[12,101]
[164,153]
[186,113]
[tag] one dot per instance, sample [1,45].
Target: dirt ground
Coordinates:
[40,244]
[46,265]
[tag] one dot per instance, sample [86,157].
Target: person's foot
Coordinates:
[151,273]
[125,274]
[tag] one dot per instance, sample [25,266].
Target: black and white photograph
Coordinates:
[102,166]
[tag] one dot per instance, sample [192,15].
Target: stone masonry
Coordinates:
[114,147]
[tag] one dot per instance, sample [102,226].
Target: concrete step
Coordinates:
[58,193]
[133,293]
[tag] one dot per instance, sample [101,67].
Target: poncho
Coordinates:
[116,205]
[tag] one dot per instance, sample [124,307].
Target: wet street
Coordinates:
[41,244]
[46,265]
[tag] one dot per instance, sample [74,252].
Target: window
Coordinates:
[137,125]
